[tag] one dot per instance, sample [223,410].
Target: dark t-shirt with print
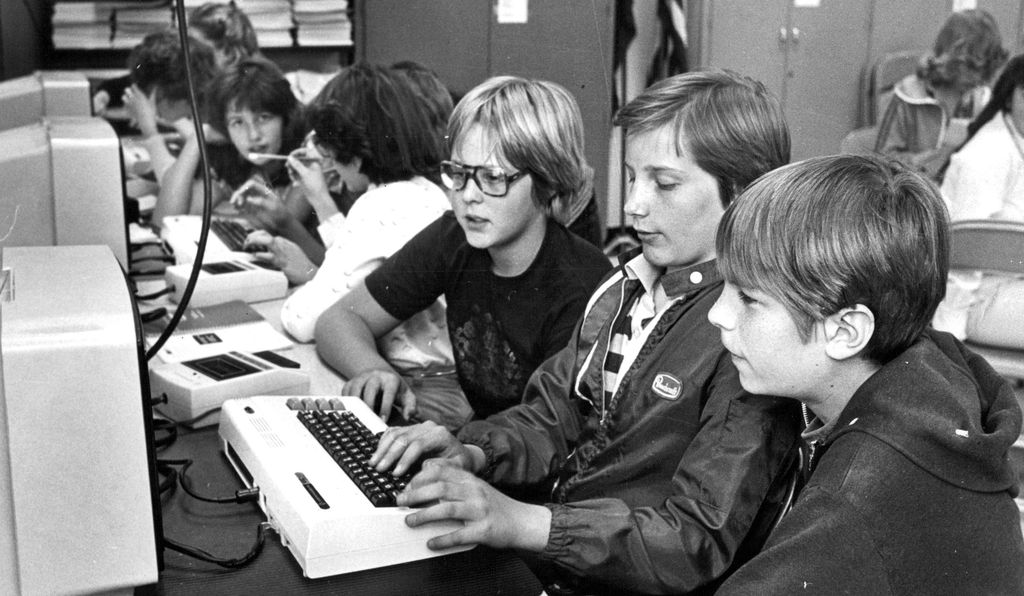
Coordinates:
[501,328]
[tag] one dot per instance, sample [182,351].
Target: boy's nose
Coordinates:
[718,315]
[471,192]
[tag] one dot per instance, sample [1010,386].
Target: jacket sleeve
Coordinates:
[692,537]
[819,548]
[526,444]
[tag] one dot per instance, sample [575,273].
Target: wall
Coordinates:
[24,28]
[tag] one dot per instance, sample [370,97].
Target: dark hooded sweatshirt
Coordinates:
[912,491]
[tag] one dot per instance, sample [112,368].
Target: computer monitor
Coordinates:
[79,496]
[24,100]
[61,183]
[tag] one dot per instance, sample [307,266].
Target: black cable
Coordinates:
[191,421]
[156,294]
[202,555]
[204,163]
[160,258]
[167,440]
[244,495]
[154,315]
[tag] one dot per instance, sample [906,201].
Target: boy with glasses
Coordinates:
[514,280]
[664,475]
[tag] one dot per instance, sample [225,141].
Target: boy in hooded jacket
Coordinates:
[833,269]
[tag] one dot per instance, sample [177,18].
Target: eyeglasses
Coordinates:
[491,180]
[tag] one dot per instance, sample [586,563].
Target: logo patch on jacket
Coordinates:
[667,386]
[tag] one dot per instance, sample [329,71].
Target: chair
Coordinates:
[861,140]
[888,70]
[993,246]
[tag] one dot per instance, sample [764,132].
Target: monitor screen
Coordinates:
[25,100]
[61,183]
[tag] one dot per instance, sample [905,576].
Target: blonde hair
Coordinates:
[536,126]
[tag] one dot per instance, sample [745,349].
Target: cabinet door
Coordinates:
[449,37]
[569,43]
[827,50]
[749,38]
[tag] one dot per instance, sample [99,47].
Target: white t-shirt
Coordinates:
[380,222]
[985,177]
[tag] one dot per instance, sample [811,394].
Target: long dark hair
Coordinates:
[256,84]
[374,113]
[1002,94]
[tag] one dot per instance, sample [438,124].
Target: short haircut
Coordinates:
[536,126]
[733,127]
[226,27]
[374,113]
[967,52]
[157,63]
[258,85]
[832,232]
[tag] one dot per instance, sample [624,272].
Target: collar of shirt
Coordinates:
[677,281]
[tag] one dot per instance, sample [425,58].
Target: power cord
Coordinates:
[191,422]
[202,555]
[157,294]
[244,495]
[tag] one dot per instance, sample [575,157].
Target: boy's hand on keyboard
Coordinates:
[402,446]
[384,386]
[449,493]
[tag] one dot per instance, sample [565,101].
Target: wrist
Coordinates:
[534,527]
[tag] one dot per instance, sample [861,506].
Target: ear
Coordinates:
[848,332]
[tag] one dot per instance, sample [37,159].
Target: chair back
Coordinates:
[988,245]
[888,70]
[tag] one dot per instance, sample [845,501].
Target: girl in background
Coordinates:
[986,176]
[926,120]
[252,106]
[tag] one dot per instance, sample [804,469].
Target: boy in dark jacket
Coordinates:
[663,473]
[833,269]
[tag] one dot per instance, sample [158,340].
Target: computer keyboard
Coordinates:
[318,508]
[351,444]
[231,232]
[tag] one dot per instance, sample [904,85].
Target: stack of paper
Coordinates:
[272,20]
[322,23]
[82,25]
[133,21]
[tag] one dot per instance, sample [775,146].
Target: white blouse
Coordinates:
[380,222]
[985,177]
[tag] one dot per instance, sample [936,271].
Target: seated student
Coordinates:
[986,175]
[377,148]
[252,105]
[157,94]
[514,281]
[666,474]
[833,268]
[926,120]
[227,29]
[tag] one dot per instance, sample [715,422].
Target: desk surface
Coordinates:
[229,531]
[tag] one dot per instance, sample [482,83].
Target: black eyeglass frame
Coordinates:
[473,172]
